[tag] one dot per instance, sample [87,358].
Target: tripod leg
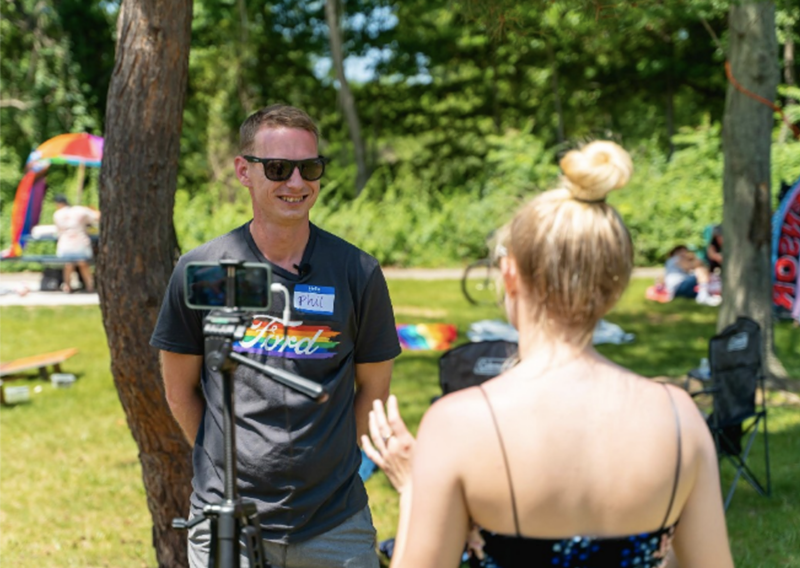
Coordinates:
[212,549]
[227,542]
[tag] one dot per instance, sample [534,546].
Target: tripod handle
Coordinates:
[302,385]
[183,524]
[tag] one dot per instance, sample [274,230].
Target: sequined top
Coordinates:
[645,550]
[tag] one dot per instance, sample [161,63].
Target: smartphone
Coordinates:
[206,286]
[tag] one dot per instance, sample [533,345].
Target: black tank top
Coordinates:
[644,550]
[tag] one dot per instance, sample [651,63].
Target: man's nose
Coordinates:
[295,180]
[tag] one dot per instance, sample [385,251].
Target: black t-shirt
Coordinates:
[298,460]
[714,246]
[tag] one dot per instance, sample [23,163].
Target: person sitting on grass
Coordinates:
[687,277]
[565,459]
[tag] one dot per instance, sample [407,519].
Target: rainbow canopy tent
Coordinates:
[786,255]
[79,149]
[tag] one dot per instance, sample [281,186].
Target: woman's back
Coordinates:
[591,450]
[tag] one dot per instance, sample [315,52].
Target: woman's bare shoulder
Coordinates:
[694,431]
[455,412]
[652,393]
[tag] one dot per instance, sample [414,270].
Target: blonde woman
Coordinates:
[566,459]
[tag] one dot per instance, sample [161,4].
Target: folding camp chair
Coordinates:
[736,375]
[473,363]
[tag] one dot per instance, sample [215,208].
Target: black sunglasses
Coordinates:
[280,169]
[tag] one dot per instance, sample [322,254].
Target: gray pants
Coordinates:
[349,545]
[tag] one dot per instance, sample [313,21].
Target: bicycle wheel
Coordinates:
[480,283]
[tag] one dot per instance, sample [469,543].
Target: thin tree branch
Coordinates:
[16,103]
[714,36]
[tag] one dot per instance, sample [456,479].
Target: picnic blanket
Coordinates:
[426,336]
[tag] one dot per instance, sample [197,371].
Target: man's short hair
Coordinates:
[61,198]
[676,249]
[274,116]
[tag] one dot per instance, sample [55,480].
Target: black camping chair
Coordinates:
[736,375]
[471,364]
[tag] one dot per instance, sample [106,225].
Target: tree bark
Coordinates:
[747,132]
[345,96]
[138,245]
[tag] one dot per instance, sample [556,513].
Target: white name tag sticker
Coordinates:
[314,299]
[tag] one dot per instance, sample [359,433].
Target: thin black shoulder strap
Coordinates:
[505,460]
[678,461]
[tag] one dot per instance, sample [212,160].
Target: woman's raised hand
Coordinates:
[390,445]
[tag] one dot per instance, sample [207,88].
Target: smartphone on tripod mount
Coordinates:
[206,286]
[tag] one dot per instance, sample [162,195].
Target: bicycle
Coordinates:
[480,282]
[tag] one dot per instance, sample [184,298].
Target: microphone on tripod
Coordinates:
[303,269]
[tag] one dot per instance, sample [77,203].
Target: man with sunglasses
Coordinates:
[297,460]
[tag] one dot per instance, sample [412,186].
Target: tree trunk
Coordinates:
[345,96]
[747,131]
[138,245]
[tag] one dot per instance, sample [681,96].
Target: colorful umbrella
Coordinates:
[76,149]
[79,149]
[26,209]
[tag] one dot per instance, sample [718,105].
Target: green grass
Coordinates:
[71,491]
[71,483]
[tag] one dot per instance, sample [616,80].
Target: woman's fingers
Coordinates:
[383,427]
[389,444]
[394,419]
[375,432]
[371,452]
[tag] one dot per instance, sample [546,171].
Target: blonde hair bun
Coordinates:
[596,169]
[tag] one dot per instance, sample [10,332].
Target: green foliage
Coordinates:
[402,223]
[785,164]
[669,203]
[48,75]
[205,216]
[470,103]
[407,226]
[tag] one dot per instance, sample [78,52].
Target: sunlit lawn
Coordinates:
[70,483]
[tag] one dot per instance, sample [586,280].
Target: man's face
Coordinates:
[280,202]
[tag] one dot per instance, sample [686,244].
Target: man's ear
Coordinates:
[240,166]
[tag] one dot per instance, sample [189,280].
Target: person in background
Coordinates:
[566,459]
[685,276]
[298,460]
[72,223]
[714,250]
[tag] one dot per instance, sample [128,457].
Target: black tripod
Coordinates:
[233,518]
